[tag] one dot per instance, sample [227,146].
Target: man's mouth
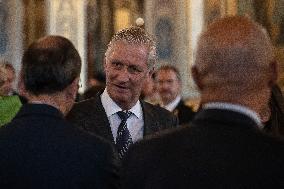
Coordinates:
[121,87]
[164,92]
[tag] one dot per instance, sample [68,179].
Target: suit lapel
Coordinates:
[151,125]
[100,120]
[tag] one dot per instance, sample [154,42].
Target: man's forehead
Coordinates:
[166,73]
[10,71]
[138,51]
[121,43]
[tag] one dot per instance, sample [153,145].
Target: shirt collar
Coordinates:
[236,108]
[111,107]
[172,105]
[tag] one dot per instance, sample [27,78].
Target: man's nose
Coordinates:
[164,85]
[123,74]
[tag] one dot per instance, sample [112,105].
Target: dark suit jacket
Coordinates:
[91,116]
[39,149]
[222,149]
[184,113]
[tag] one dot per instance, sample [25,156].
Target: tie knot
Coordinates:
[124,115]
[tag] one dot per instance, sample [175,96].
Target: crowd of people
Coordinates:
[115,139]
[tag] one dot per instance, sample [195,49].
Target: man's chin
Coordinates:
[121,98]
[166,100]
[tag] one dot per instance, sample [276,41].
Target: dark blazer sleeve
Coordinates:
[90,116]
[133,175]
[74,118]
[79,114]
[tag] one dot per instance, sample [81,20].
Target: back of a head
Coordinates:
[50,65]
[234,54]
[136,36]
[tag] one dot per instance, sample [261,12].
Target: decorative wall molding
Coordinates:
[67,18]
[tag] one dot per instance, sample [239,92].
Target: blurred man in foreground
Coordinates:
[39,149]
[224,146]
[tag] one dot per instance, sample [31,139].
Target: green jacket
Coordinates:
[9,106]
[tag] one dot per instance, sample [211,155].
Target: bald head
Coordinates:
[234,57]
[234,51]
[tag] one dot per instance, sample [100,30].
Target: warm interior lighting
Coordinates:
[122,19]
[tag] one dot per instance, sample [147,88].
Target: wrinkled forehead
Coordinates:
[129,54]
[166,74]
[127,44]
[129,49]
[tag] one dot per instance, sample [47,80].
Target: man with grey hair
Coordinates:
[117,114]
[223,147]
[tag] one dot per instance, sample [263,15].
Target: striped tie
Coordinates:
[123,139]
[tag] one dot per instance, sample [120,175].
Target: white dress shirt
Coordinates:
[236,108]
[172,105]
[135,123]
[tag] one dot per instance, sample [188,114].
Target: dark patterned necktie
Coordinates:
[123,139]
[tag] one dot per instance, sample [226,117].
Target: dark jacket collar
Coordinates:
[102,121]
[227,117]
[40,109]
[151,124]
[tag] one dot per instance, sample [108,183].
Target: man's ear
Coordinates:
[151,72]
[196,77]
[72,89]
[21,86]
[273,73]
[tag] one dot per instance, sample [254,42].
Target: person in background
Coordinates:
[117,114]
[96,85]
[223,147]
[169,86]
[39,148]
[11,76]
[149,91]
[9,105]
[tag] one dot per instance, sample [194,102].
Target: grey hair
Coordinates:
[138,36]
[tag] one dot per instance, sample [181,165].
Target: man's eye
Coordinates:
[170,81]
[133,69]
[117,65]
